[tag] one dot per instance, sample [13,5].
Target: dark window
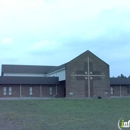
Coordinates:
[128,89]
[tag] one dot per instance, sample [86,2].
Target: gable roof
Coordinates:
[120,81]
[64,65]
[89,52]
[39,69]
[28,80]
[26,69]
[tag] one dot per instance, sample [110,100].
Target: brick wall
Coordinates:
[15,91]
[25,91]
[124,91]
[78,86]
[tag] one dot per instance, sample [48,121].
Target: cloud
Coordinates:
[6,41]
[29,15]
[44,46]
[63,29]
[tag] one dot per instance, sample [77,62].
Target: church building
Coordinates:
[85,76]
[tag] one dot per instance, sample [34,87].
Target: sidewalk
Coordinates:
[27,98]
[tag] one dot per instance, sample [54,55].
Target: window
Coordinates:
[112,90]
[50,90]
[30,91]
[10,90]
[128,89]
[4,91]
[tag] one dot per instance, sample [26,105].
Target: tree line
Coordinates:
[122,76]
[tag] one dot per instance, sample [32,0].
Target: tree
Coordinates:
[121,76]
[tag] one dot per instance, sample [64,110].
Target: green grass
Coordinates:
[63,114]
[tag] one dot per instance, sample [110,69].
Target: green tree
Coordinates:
[121,76]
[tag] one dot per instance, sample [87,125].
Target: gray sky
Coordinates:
[52,32]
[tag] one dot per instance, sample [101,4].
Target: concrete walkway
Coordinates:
[27,98]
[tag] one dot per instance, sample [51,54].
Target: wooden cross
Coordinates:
[88,74]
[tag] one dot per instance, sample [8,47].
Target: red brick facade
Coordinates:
[121,91]
[81,75]
[36,91]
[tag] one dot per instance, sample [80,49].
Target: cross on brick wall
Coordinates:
[88,74]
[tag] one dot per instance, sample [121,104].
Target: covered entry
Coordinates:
[120,87]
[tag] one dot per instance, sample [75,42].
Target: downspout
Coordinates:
[56,92]
[41,91]
[56,89]
[120,91]
[20,91]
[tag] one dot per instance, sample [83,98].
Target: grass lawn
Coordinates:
[63,114]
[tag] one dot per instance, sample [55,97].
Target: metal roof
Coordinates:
[120,81]
[26,69]
[28,80]
[38,69]
[58,68]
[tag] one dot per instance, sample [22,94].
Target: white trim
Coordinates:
[61,74]
[88,80]
[55,71]
[24,74]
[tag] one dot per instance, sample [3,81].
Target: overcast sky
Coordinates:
[52,32]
